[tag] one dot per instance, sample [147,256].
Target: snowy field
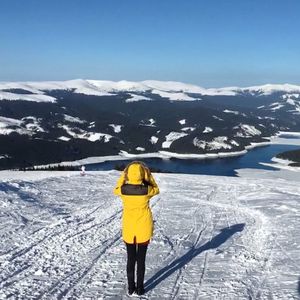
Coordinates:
[215,237]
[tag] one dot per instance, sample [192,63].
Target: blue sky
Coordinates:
[211,43]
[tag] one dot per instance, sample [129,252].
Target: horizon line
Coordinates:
[141,81]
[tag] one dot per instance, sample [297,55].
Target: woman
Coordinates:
[136,186]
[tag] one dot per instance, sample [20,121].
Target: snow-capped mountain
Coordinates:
[33,91]
[43,122]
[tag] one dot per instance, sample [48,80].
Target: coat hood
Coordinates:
[135,174]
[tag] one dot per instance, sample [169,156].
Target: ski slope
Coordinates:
[214,238]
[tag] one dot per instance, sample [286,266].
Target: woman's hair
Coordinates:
[147,172]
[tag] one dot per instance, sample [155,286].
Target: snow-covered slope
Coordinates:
[36,97]
[35,91]
[214,238]
[166,89]
[268,89]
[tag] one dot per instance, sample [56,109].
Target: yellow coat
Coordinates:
[137,222]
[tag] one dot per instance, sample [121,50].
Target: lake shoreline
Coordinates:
[165,155]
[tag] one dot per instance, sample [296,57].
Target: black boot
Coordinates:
[140,291]
[131,290]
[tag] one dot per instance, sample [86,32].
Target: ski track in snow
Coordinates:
[214,238]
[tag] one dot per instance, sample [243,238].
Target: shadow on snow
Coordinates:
[180,262]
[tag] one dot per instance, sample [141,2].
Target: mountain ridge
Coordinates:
[105,88]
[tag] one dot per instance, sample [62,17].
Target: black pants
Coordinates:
[136,254]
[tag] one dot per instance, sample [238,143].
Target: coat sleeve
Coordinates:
[117,189]
[153,188]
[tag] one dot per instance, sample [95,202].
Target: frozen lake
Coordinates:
[219,166]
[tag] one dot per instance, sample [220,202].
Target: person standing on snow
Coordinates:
[135,187]
[82,172]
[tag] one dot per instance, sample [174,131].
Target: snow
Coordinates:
[199,143]
[96,136]
[140,149]
[173,96]
[32,124]
[207,130]
[78,133]
[167,154]
[291,133]
[92,125]
[9,125]
[26,97]
[135,98]
[291,102]
[214,237]
[171,137]
[282,164]
[150,122]
[119,86]
[79,86]
[173,86]
[290,96]
[26,126]
[297,110]
[231,112]
[235,143]
[182,122]
[64,138]
[268,89]
[7,176]
[153,139]
[168,89]
[188,128]
[220,142]
[5,122]
[34,127]
[267,174]
[278,139]
[217,118]
[171,90]
[275,106]
[247,130]
[73,119]
[37,89]
[39,272]
[116,128]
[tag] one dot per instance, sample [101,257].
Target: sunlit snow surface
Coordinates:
[171,90]
[214,237]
